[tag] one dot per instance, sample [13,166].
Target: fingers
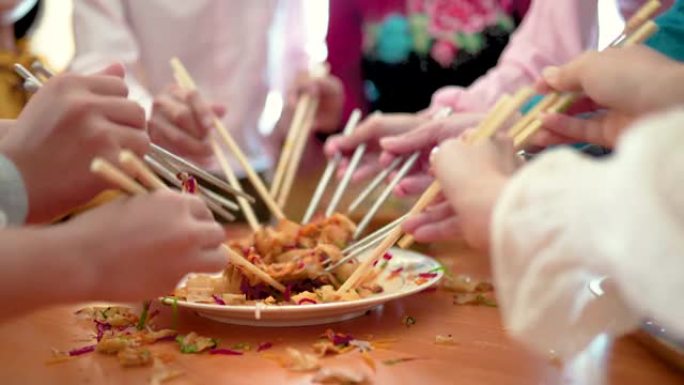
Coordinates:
[432,214]
[366,130]
[107,85]
[413,185]
[124,112]
[569,77]
[209,261]
[419,139]
[577,130]
[209,234]
[444,230]
[135,140]
[202,112]
[168,135]
[115,69]
[199,209]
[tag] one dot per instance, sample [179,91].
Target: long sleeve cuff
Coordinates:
[13,195]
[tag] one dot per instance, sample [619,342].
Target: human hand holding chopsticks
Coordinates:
[370,131]
[472,178]
[626,92]
[67,123]
[423,139]
[142,246]
[182,121]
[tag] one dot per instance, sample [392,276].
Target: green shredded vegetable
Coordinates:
[242,346]
[144,315]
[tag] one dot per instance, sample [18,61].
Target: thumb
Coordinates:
[568,77]
[115,69]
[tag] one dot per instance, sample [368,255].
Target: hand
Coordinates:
[647,84]
[182,120]
[330,93]
[138,248]
[71,120]
[370,131]
[423,139]
[472,178]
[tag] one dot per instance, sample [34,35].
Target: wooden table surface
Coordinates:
[483,353]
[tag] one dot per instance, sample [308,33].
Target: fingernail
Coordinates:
[433,154]
[551,73]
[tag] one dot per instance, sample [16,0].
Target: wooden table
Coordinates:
[483,355]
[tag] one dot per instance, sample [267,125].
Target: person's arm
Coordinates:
[102,36]
[13,195]
[566,220]
[552,33]
[39,267]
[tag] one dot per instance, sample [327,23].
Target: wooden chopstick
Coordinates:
[646,30]
[184,78]
[112,174]
[136,167]
[377,181]
[286,152]
[232,179]
[330,168]
[298,153]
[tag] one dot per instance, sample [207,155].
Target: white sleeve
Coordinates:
[103,36]
[566,220]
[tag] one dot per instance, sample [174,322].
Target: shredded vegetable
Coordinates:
[226,352]
[408,321]
[81,351]
[193,343]
[144,315]
[398,361]
[264,346]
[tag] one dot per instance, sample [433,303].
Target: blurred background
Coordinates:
[54,38]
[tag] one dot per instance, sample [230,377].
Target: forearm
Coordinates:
[545,254]
[5,126]
[39,267]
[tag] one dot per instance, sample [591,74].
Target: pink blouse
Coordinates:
[552,33]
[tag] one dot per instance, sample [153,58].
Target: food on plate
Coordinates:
[294,255]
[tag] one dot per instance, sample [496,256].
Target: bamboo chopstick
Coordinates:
[330,169]
[232,179]
[183,77]
[136,167]
[286,152]
[297,153]
[111,173]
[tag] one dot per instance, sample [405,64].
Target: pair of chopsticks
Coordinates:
[184,79]
[165,163]
[488,127]
[134,167]
[295,143]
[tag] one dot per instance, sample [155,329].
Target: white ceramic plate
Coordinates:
[305,315]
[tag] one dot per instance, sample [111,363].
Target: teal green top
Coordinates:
[669,40]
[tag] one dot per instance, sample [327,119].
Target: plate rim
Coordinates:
[369,301]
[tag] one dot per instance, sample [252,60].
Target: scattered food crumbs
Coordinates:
[194,343]
[339,376]
[264,346]
[408,321]
[162,373]
[466,284]
[368,360]
[398,361]
[445,340]
[477,299]
[297,361]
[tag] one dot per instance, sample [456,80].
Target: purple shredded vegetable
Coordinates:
[167,338]
[264,346]
[101,328]
[218,300]
[153,314]
[225,352]
[427,275]
[305,301]
[341,339]
[83,350]
[387,256]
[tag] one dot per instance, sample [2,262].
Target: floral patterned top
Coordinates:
[393,54]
